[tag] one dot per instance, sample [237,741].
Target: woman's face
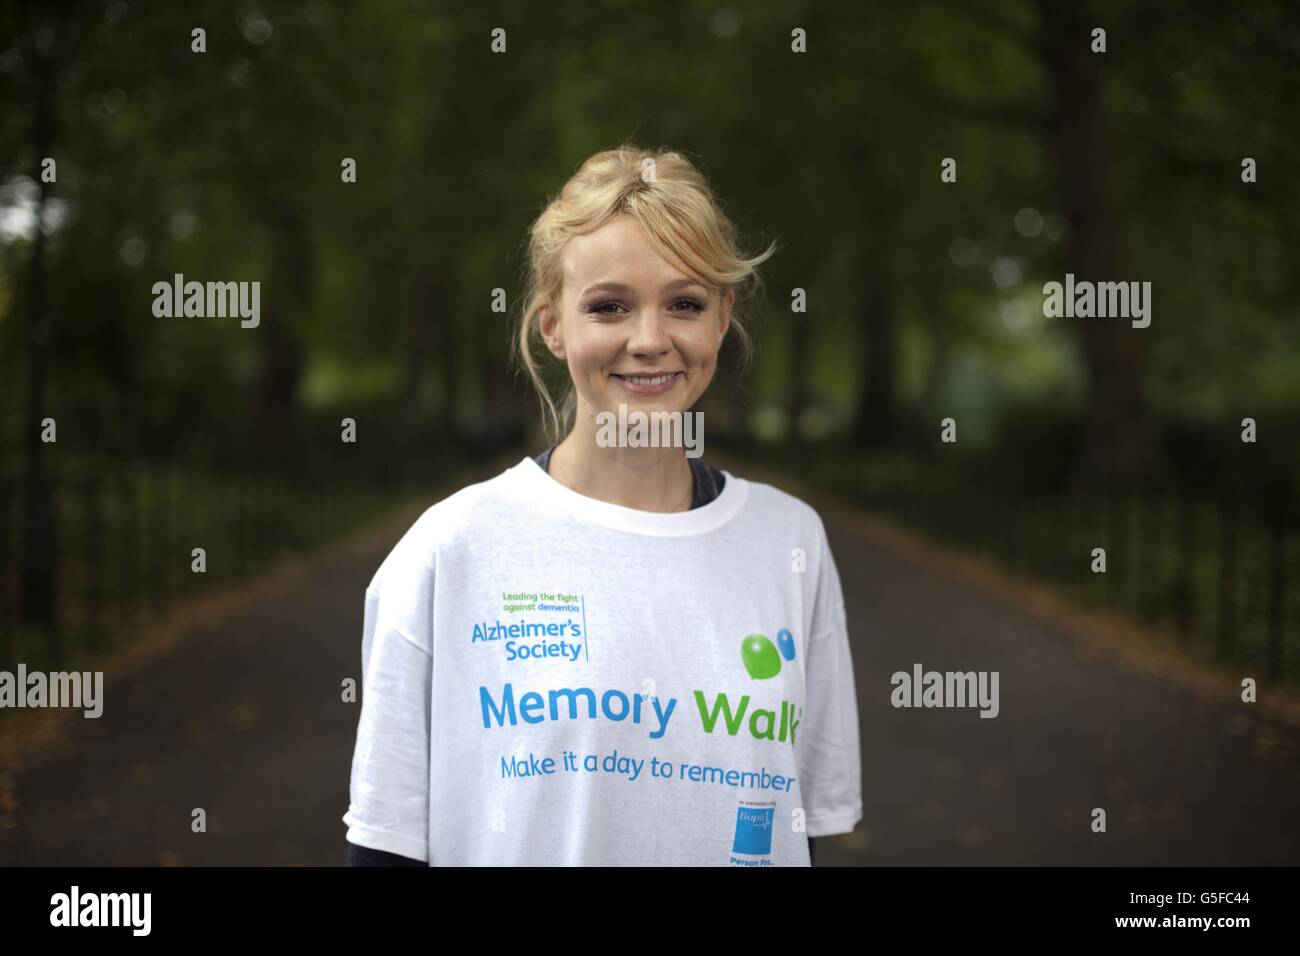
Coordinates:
[634,328]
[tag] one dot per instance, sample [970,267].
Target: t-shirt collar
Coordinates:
[657,524]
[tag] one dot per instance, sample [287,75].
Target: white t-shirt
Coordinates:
[549,679]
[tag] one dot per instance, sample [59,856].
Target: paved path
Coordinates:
[244,719]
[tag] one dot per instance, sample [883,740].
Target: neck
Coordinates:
[647,479]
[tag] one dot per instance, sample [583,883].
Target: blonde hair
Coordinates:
[677,210]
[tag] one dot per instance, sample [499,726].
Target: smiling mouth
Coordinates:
[648,380]
[649,385]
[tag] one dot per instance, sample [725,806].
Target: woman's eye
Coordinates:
[609,306]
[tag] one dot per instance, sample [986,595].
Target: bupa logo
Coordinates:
[752,844]
[753,830]
[763,658]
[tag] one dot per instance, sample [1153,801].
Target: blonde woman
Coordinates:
[611,654]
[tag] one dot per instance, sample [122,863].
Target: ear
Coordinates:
[552,329]
[728,301]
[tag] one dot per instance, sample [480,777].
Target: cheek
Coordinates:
[589,355]
[701,349]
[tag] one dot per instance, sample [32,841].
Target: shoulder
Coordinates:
[448,521]
[777,515]
[468,507]
[779,509]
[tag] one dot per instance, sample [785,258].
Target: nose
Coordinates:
[649,336]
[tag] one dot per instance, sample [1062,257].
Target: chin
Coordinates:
[648,406]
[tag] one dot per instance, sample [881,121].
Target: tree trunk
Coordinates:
[874,418]
[797,382]
[449,352]
[276,396]
[420,337]
[1119,441]
[39,541]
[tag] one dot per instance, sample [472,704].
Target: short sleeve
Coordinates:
[389,789]
[829,760]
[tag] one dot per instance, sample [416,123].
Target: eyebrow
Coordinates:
[620,287]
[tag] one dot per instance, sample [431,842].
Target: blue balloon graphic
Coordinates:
[785,641]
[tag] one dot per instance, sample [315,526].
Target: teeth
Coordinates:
[646,380]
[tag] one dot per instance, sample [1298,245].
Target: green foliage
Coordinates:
[226,165]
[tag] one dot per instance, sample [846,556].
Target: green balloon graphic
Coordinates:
[761,657]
